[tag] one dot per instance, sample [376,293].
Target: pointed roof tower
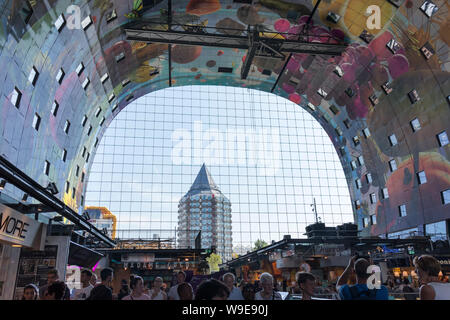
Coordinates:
[203,182]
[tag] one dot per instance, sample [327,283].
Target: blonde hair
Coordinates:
[429,264]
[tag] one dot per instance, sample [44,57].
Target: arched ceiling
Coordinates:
[116,71]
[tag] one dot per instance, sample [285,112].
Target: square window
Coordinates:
[293,81]
[97,113]
[393,45]
[427,50]
[130,97]
[393,139]
[385,193]
[111,16]
[36,121]
[67,186]
[33,76]
[86,22]
[373,198]
[73,193]
[374,99]
[393,165]
[67,127]
[55,107]
[80,68]
[84,152]
[64,155]
[85,83]
[83,122]
[266,72]
[358,183]
[338,71]
[60,75]
[87,158]
[89,131]
[111,98]
[120,57]
[347,123]
[115,107]
[415,124]
[361,160]
[16,95]
[366,132]
[125,82]
[445,195]
[82,177]
[356,140]
[369,178]
[333,17]
[60,22]
[366,36]
[387,87]
[322,93]
[373,219]
[429,8]
[342,150]
[46,167]
[334,109]
[311,106]
[365,222]
[78,171]
[421,177]
[104,78]
[353,164]
[339,131]
[96,140]
[103,121]
[442,138]
[357,204]
[402,210]
[413,96]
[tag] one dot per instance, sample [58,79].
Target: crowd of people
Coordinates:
[427,268]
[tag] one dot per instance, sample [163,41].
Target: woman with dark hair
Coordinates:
[137,289]
[55,291]
[30,292]
[212,290]
[248,291]
[427,269]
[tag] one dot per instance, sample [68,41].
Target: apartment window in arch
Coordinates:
[393,165]
[373,219]
[445,195]
[415,125]
[393,140]
[442,138]
[385,193]
[402,210]
[373,198]
[421,177]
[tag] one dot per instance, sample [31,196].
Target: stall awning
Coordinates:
[82,256]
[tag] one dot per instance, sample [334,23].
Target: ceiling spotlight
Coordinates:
[2,184]
[52,188]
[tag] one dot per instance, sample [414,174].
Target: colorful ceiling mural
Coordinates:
[86,71]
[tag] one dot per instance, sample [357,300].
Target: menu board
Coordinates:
[33,268]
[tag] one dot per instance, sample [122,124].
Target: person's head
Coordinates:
[30,292]
[427,267]
[181,277]
[85,277]
[266,282]
[55,291]
[136,284]
[185,291]
[248,291]
[306,282]
[106,275]
[93,279]
[157,283]
[52,276]
[361,266]
[229,280]
[212,289]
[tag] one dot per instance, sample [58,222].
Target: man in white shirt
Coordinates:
[173,292]
[235,293]
[86,286]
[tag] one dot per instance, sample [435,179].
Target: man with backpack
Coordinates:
[359,291]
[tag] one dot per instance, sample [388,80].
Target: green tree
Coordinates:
[259,244]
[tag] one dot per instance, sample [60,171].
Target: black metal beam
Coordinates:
[22,181]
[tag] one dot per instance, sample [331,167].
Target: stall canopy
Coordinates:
[82,256]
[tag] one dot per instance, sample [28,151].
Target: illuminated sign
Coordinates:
[17,229]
